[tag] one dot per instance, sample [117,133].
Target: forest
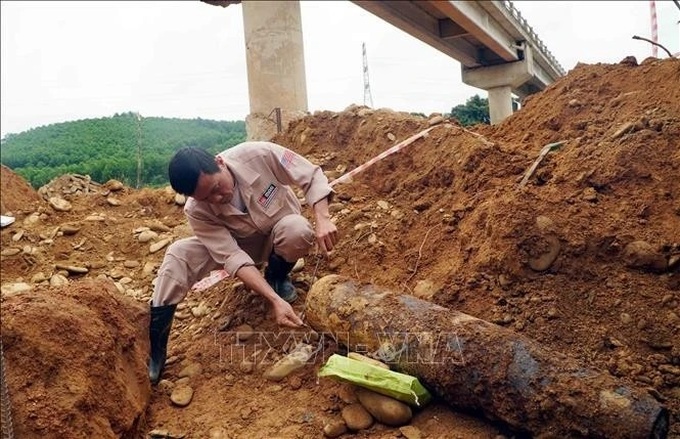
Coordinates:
[112,147]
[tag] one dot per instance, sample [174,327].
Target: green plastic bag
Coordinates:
[405,388]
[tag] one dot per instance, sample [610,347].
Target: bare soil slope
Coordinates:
[16,192]
[583,258]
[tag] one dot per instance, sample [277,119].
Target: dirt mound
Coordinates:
[602,103]
[17,194]
[75,357]
[583,258]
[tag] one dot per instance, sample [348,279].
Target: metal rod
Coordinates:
[5,403]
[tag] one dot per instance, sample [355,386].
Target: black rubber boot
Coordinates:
[277,276]
[159,331]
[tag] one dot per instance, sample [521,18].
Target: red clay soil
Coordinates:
[584,258]
[16,192]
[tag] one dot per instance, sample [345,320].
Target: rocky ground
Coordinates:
[582,256]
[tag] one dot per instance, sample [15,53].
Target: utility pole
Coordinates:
[368,99]
[139,150]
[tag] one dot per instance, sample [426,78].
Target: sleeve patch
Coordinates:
[288,159]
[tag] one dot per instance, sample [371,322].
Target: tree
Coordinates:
[475,110]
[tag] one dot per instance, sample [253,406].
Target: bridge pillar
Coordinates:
[276,66]
[499,80]
[500,103]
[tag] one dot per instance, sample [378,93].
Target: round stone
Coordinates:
[181,396]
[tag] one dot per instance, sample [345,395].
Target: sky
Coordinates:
[64,61]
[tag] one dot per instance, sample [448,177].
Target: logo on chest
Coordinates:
[267,196]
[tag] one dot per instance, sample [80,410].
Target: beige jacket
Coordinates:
[263,172]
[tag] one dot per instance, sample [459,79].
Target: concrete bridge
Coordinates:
[498,51]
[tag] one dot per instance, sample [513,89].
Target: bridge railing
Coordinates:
[535,40]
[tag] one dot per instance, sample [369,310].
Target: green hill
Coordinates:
[108,147]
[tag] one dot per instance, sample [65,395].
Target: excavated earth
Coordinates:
[583,257]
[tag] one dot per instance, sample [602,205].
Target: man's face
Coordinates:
[215,188]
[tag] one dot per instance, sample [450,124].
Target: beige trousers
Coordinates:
[187,260]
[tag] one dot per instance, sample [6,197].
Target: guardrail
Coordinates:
[535,40]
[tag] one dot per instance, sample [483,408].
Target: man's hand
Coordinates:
[326,231]
[283,312]
[285,315]
[326,235]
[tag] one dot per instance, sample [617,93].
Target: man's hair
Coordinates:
[186,166]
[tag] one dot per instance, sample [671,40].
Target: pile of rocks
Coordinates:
[69,185]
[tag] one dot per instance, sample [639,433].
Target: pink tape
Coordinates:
[214,277]
[345,178]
